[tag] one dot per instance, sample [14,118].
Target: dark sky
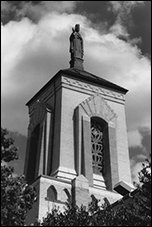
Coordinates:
[140,16]
[138,22]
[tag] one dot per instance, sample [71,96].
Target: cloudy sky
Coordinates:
[117,47]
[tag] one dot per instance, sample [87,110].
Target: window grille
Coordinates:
[97,146]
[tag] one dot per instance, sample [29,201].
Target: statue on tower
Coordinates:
[76,48]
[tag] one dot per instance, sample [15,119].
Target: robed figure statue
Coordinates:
[76,47]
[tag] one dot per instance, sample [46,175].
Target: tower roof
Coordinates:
[84,76]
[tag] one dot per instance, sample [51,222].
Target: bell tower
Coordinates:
[77,138]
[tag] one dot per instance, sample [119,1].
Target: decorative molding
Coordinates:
[92,88]
[97,106]
[76,84]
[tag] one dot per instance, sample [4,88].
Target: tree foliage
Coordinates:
[144,189]
[16,196]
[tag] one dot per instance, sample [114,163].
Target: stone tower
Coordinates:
[77,138]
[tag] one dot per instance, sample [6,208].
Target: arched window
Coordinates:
[97,141]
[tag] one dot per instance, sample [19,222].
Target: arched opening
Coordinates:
[101,155]
[51,193]
[99,141]
[33,153]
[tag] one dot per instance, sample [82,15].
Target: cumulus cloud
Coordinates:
[31,53]
[139,141]
[5,6]
[134,139]
[122,10]
[35,11]
[136,166]
[135,169]
[119,6]
[123,64]
[35,52]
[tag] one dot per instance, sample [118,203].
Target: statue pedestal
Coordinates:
[76,63]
